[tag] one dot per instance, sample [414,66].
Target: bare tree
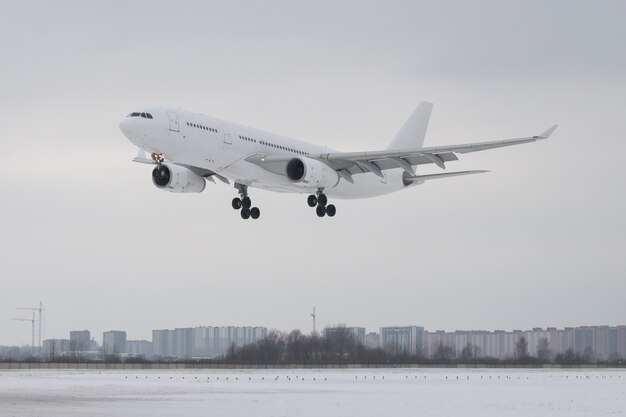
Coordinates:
[521,348]
[340,344]
[443,353]
[420,352]
[543,350]
[470,353]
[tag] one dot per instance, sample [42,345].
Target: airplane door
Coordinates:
[174,126]
[173,121]
[228,140]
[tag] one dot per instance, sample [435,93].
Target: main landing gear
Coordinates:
[244,203]
[320,200]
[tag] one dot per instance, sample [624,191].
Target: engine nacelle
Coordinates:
[311,173]
[177,179]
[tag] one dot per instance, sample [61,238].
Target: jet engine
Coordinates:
[311,173]
[177,179]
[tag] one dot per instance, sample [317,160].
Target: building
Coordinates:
[583,340]
[163,342]
[601,342]
[358,333]
[183,342]
[372,340]
[139,347]
[402,340]
[80,340]
[204,341]
[56,347]
[594,342]
[114,342]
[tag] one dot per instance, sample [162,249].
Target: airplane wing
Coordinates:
[378,161]
[350,163]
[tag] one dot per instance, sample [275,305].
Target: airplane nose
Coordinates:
[125,127]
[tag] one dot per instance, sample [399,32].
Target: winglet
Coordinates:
[547,133]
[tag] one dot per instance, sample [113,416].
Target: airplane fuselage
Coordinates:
[193,139]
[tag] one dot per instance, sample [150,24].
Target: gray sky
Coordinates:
[537,242]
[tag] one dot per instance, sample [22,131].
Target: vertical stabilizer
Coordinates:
[414,129]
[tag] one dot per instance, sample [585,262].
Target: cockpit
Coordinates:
[137,114]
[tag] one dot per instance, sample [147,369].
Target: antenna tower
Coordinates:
[313,315]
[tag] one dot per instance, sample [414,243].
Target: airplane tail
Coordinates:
[412,133]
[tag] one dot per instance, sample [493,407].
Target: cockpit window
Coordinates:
[137,114]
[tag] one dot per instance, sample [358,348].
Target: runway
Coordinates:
[343,392]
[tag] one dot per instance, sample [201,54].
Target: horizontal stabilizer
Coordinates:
[413,178]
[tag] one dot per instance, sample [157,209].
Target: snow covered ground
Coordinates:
[341,392]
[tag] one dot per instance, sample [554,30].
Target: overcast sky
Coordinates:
[540,241]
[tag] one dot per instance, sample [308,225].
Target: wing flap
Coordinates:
[419,178]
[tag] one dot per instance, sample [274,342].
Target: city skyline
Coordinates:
[595,342]
[145,334]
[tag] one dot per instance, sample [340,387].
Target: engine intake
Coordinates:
[311,173]
[177,179]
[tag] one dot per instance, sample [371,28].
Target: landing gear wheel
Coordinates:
[321,211]
[246,202]
[322,200]
[312,201]
[255,212]
[331,210]
[245,213]
[236,203]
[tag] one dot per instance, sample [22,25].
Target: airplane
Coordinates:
[190,149]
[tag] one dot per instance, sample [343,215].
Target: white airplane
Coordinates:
[190,148]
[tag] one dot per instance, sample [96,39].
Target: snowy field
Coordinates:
[340,392]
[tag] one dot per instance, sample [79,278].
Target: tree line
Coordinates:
[341,347]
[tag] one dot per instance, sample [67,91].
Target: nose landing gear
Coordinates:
[244,203]
[319,200]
